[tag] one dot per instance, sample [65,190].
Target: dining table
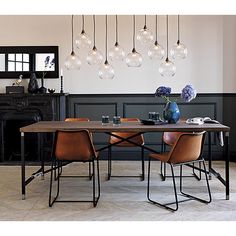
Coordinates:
[134,128]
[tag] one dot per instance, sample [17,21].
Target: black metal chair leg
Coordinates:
[94,199]
[200,173]
[58,185]
[155,202]
[191,196]
[163,167]
[163,176]
[143,165]
[90,175]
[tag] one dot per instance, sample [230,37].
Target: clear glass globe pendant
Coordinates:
[116,53]
[156,51]
[83,40]
[106,71]
[167,68]
[94,56]
[145,36]
[72,61]
[134,59]
[179,50]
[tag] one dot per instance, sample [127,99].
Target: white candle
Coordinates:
[61,72]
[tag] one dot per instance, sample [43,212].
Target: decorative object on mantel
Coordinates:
[171,111]
[16,88]
[178,51]
[145,36]
[51,90]
[83,40]
[94,56]
[61,91]
[117,53]
[134,59]
[106,70]
[156,51]
[33,84]
[167,68]
[72,61]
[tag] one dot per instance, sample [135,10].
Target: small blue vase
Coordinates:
[171,112]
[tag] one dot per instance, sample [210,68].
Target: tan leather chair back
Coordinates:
[188,147]
[73,145]
[170,138]
[138,139]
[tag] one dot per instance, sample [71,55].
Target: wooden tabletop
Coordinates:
[96,126]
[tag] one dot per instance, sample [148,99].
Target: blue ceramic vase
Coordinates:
[171,112]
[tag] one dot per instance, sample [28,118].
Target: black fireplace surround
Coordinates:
[18,110]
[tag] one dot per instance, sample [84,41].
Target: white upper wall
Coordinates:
[203,36]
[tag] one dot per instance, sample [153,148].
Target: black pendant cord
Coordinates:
[145,22]
[82,25]
[178,41]
[106,42]
[134,33]
[72,34]
[156,31]
[94,32]
[167,37]
[116,31]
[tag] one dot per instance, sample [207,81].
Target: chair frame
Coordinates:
[190,197]
[163,167]
[109,165]
[58,165]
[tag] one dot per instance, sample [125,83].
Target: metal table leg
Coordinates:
[23,165]
[209,155]
[227,157]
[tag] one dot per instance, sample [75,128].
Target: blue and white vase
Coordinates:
[171,112]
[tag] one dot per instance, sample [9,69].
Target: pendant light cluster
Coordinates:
[116,53]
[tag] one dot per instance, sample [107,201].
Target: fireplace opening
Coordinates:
[11,123]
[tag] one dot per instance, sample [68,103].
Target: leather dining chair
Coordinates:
[74,146]
[79,119]
[186,150]
[139,140]
[168,140]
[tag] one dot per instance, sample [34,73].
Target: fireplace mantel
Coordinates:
[48,106]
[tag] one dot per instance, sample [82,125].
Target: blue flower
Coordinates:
[188,93]
[163,91]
